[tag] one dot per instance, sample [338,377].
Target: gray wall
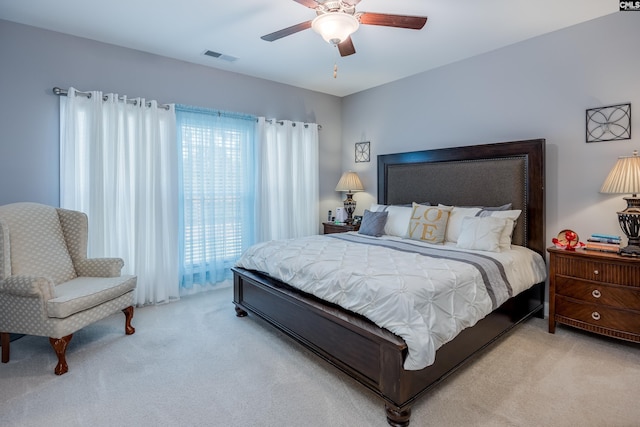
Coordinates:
[33,61]
[539,88]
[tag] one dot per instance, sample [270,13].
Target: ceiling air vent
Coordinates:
[221,56]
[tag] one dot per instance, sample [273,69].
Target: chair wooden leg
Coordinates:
[60,347]
[128,315]
[4,341]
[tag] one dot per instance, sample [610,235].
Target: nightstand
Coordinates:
[595,291]
[330,227]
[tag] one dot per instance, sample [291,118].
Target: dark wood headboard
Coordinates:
[477,175]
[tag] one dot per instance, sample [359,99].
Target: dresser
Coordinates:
[595,291]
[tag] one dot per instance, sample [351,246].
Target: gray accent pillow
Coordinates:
[410,205]
[373,223]
[486,211]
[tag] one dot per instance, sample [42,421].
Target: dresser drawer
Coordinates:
[598,315]
[606,271]
[598,293]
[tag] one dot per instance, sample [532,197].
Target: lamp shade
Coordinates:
[624,178]
[349,182]
[335,27]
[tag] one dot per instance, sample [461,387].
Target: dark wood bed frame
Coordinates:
[374,356]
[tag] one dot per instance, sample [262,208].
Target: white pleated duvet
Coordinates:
[426,299]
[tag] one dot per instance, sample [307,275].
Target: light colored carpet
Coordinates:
[194,363]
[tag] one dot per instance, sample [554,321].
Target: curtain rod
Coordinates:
[61,92]
[281,122]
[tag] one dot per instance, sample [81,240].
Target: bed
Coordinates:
[479,175]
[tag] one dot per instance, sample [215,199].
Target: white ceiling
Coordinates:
[185,29]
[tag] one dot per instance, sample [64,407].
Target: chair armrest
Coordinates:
[99,267]
[28,286]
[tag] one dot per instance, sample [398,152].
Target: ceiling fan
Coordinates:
[337,20]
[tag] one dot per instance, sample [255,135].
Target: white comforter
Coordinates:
[425,300]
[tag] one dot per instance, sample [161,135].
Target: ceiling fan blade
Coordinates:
[287,31]
[386,20]
[346,48]
[312,4]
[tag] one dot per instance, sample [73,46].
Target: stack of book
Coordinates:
[603,243]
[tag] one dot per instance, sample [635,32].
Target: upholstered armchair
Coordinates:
[48,286]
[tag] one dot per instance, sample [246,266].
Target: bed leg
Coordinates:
[397,417]
[240,312]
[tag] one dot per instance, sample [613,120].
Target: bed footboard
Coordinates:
[369,354]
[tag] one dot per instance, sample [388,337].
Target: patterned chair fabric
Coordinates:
[48,286]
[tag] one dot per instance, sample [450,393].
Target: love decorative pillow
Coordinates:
[428,223]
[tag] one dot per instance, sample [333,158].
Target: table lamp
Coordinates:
[624,178]
[349,182]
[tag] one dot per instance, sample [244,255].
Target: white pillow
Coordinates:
[482,233]
[511,217]
[397,220]
[455,221]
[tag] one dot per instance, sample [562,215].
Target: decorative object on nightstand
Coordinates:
[349,182]
[341,215]
[624,178]
[567,240]
[610,123]
[595,291]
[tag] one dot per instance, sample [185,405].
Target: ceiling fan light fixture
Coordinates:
[335,27]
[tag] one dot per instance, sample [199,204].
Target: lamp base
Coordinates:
[350,207]
[629,220]
[630,251]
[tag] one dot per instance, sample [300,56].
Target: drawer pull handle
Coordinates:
[595,315]
[596,293]
[596,272]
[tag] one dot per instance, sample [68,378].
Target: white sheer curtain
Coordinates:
[119,165]
[287,187]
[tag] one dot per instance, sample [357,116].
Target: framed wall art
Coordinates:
[610,123]
[362,152]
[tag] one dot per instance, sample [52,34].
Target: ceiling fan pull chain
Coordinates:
[335,61]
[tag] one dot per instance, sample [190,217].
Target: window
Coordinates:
[216,192]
